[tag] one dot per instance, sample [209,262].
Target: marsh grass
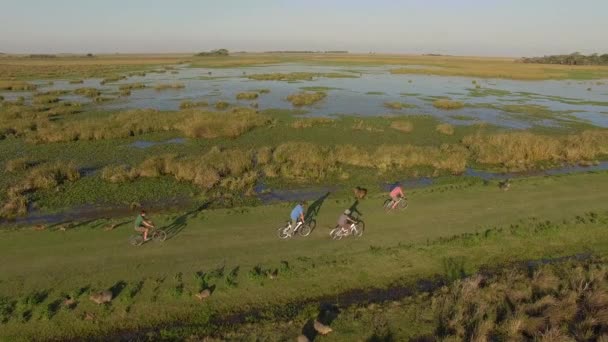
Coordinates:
[132,86]
[249,95]
[311,122]
[221,105]
[397,105]
[306,98]
[445,128]
[76,81]
[42,177]
[297,76]
[167,86]
[402,125]
[447,104]
[87,92]
[187,104]
[112,79]
[44,99]
[524,150]
[18,164]
[17,86]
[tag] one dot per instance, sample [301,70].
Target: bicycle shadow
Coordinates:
[313,210]
[175,227]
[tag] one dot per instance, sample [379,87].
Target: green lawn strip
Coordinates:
[393,249]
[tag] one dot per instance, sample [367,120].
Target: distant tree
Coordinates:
[218,52]
[575,58]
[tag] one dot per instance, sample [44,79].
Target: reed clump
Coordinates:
[248,95]
[42,177]
[447,104]
[218,124]
[519,304]
[166,86]
[306,98]
[518,151]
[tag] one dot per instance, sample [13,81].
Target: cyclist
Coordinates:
[142,224]
[344,221]
[297,215]
[396,194]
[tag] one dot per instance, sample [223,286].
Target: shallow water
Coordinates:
[143,144]
[350,95]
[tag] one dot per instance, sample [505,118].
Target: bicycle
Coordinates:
[302,228]
[154,234]
[356,229]
[389,203]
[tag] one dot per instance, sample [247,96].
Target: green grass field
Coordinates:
[473,222]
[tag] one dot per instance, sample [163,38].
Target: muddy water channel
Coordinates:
[364,91]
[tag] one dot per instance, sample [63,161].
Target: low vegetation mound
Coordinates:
[306,98]
[249,95]
[448,104]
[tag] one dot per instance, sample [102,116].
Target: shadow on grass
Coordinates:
[313,210]
[181,221]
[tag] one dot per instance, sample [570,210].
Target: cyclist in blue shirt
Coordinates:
[297,215]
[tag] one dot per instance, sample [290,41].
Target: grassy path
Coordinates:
[394,248]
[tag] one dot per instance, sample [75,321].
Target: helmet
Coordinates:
[347,211]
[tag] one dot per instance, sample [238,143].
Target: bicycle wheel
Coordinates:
[359,228]
[283,232]
[335,233]
[304,230]
[402,204]
[159,235]
[388,205]
[136,240]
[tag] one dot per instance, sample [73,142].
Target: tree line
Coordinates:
[572,59]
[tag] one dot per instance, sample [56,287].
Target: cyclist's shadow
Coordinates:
[313,210]
[180,222]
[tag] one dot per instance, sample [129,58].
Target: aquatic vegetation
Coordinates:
[186,104]
[76,81]
[447,104]
[16,86]
[167,86]
[375,93]
[247,95]
[445,128]
[306,98]
[297,76]
[318,88]
[311,122]
[41,177]
[397,105]
[218,124]
[112,79]
[131,86]
[483,92]
[524,150]
[222,105]
[88,92]
[44,99]
[365,125]
[402,125]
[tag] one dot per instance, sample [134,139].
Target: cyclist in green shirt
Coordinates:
[142,224]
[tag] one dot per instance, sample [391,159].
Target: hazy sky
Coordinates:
[463,27]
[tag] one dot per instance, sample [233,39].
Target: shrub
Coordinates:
[445,128]
[402,125]
[306,98]
[448,104]
[249,95]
